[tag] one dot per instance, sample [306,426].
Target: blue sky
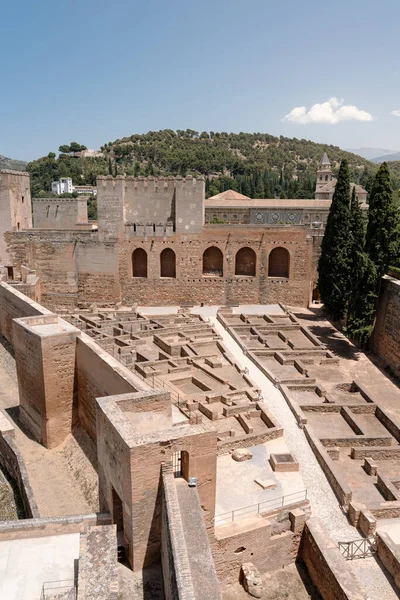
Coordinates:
[93,70]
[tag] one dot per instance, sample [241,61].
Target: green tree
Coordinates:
[362,304]
[334,265]
[357,228]
[64,149]
[382,239]
[74,147]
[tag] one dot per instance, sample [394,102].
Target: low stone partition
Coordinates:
[12,462]
[327,567]
[385,510]
[375,452]
[37,527]
[269,540]
[178,584]
[333,473]
[389,554]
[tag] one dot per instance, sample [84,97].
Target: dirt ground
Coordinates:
[292,582]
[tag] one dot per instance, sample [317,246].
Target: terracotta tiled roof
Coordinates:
[330,187]
[229,195]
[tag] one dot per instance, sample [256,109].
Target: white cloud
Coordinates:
[395,113]
[333,111]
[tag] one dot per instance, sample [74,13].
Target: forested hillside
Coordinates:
[10,163]
[256,164]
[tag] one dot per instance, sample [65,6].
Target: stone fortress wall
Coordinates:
[59,213]
[386,337]
[152,247]
[15,207]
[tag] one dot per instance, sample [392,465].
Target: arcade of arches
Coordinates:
[213,263]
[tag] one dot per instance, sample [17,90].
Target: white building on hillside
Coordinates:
[63,186]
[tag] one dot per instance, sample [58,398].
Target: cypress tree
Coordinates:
[357,228]
[334,265]
[363,299]
[382,240]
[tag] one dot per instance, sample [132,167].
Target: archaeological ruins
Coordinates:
[178,419]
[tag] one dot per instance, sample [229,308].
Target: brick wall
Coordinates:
[86,267]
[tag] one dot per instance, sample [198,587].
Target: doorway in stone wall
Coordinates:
[177,464]
[118,520]
[117,511]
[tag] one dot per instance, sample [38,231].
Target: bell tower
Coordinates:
[324,173]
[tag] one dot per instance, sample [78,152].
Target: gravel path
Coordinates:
[323,501]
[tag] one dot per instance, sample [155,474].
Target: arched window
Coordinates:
[139,263]
[245,262]
[213,262]
[278,263]
[167,263]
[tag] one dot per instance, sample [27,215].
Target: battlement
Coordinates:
[152,183]
[58,200]
[154,201]
[10,172]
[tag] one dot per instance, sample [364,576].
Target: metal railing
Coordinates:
[66,589]
[361,548]
[261,507]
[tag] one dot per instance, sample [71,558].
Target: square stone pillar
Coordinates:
[45,360]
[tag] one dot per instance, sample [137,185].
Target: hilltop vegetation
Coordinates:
[256,164]
[13,165]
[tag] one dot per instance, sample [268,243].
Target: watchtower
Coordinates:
[15,207]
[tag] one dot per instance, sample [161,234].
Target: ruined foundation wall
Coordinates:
[386,336]
[270,542]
